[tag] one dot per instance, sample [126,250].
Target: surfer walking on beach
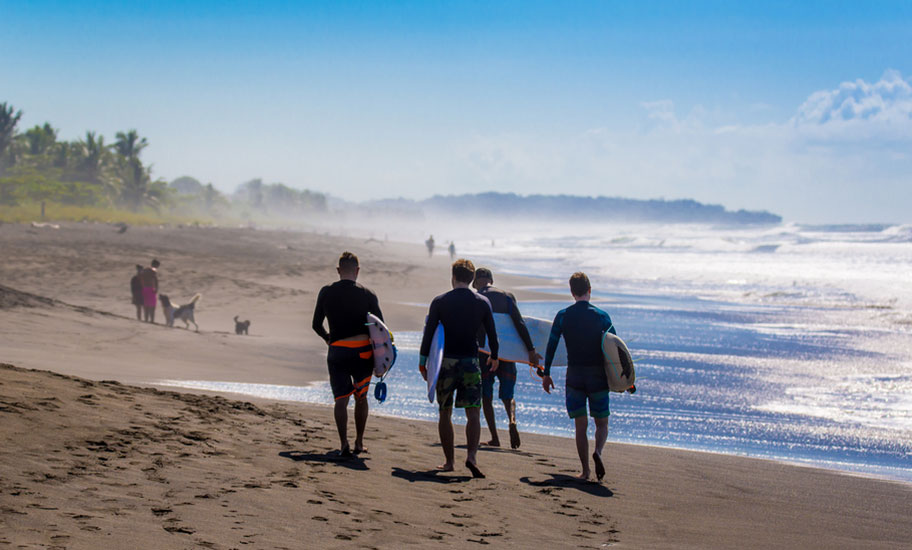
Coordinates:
[149,279]
[462,313]
[345,305]
[501,302]
[429,243]
[582,326]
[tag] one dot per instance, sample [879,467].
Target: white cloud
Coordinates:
[887,100]
[843,156]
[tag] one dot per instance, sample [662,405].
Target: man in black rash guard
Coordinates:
[501,302]
[462,313]
[345,304]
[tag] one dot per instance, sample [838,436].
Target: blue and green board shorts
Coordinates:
[459,377]
[505,373]
[587,385]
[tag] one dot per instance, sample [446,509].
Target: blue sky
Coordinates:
[802,110]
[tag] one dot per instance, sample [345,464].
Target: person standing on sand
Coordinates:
[429,243]
[137,292]
[501,302]
[463,313]
[582,326]
[149,280]
[452,251]
[345,305]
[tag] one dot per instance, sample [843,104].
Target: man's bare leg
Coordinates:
[445,430]
[601,435]
[473,435]
[340,412]
[361,410]
[487,404]
[582,444]
[510,407]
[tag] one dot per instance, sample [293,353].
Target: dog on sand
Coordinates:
[240,327]
[184,312]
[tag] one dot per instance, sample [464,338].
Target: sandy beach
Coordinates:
[93,456]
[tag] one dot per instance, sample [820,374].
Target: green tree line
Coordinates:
[37,166]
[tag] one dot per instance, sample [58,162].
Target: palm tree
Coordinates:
[129,145]
[8,122]
[94,156]
[41,139]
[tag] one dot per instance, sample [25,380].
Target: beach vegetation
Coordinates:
[91,179]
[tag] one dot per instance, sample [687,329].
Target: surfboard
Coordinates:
[435,358]
[512,347]
[382,343]
[617,357]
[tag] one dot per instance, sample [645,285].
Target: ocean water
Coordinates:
[790,342]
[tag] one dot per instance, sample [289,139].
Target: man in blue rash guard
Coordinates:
[582,326]
[462,313]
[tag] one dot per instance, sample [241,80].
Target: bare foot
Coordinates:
[476,473]
[360,450]
[583,476]
[493,443]
[446,467]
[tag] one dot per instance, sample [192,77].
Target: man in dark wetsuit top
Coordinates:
[462,313]
[501,302]
[345,304]
[582,326]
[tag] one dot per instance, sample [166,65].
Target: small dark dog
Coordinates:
[240,327]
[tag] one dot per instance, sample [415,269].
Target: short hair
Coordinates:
[484,273]
[463,270]
[155,263]
[579,284]
[139,267]
[348,261]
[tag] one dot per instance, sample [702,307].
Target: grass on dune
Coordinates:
[53,212]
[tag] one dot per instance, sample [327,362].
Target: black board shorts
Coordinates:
[351,365]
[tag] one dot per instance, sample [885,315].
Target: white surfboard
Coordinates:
[617,356]
[382,343]
[435,358]
[512,347]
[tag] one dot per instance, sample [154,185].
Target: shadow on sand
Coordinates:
[332,457]
[432,476]
[569,482]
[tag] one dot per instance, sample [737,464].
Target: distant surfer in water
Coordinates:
[463,313]
[345,304]
[582,326]
[501,302]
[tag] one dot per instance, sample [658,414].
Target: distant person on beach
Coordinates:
[582,326]
[452,251]
[429,243]
[345,305]
[501,302]
[136,289]
[149,280]
[463,313]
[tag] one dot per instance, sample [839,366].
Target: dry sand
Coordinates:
[92,464]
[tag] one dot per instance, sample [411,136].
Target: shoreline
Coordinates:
[85,463]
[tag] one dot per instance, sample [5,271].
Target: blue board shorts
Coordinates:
[506,374]
[460,377]
[587,385]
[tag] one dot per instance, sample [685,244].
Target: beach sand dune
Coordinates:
[87,462]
